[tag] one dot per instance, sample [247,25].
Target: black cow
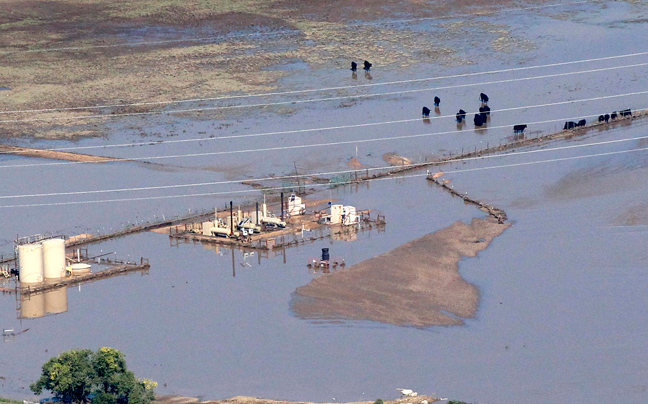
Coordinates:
[367,65]
[613,116]
[437,101]
[461,115]
[606,117]
[582,122]
[426,112]
[478,120]
[569,125]
[601,118]
[626,112]
[354,66]
[519,128]
[484,110]
[483,98]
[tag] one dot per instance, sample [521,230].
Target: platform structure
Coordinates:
[300,230]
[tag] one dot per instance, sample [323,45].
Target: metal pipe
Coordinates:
[282,207]
[257,213]
[232,219]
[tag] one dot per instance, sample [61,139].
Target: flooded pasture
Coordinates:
[559,307]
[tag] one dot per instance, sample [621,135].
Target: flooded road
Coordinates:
[560,310]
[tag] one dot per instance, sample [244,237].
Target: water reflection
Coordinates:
[36,305]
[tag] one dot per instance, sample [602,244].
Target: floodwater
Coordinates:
[561,313]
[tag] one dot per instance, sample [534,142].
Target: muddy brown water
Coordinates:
[560,314]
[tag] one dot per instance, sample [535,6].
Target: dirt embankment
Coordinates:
[417,284]
[55,154]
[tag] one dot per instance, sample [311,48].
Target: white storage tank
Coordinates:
[206,228]
[54,258]
[30,259]
[32,306]
[56,301]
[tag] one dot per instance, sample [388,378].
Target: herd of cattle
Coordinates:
[479,119]
[602,118]
[484,113]
[367,66]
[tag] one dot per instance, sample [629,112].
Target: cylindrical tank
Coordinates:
[54,258]
[325,254]
[30,258]
[56,301]
[32,306]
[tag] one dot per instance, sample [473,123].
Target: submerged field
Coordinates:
[550,311]
[63,54]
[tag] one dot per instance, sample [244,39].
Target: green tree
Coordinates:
[68,376]
[81,376]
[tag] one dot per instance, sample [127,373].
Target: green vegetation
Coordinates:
[9,401]
[379,401]
[78,375]
[456,402]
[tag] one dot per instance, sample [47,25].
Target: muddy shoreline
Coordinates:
[255,400]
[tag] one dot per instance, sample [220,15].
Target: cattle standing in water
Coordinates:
[426,112]
[354,66]
[483,98]
[461,115]
[437,101]
[582,122]
[519,128]
[367,65]
[626,112]
[485,112]
[569,125]
[613,116]
[601,118]
[478,120]
[606,117]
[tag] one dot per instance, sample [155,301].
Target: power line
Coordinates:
[257,34]
[321,129]
[325,99]
[337,88]
[158,187]
[319,185]
[342,142]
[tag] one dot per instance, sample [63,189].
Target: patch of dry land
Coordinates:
[417,284]
[68,56]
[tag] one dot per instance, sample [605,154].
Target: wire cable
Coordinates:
[276,148]
[337,88]
[149,188]
[320,185]
[189,110]
[338,127]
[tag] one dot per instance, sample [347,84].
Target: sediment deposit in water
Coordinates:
[417,284]
[255,400]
